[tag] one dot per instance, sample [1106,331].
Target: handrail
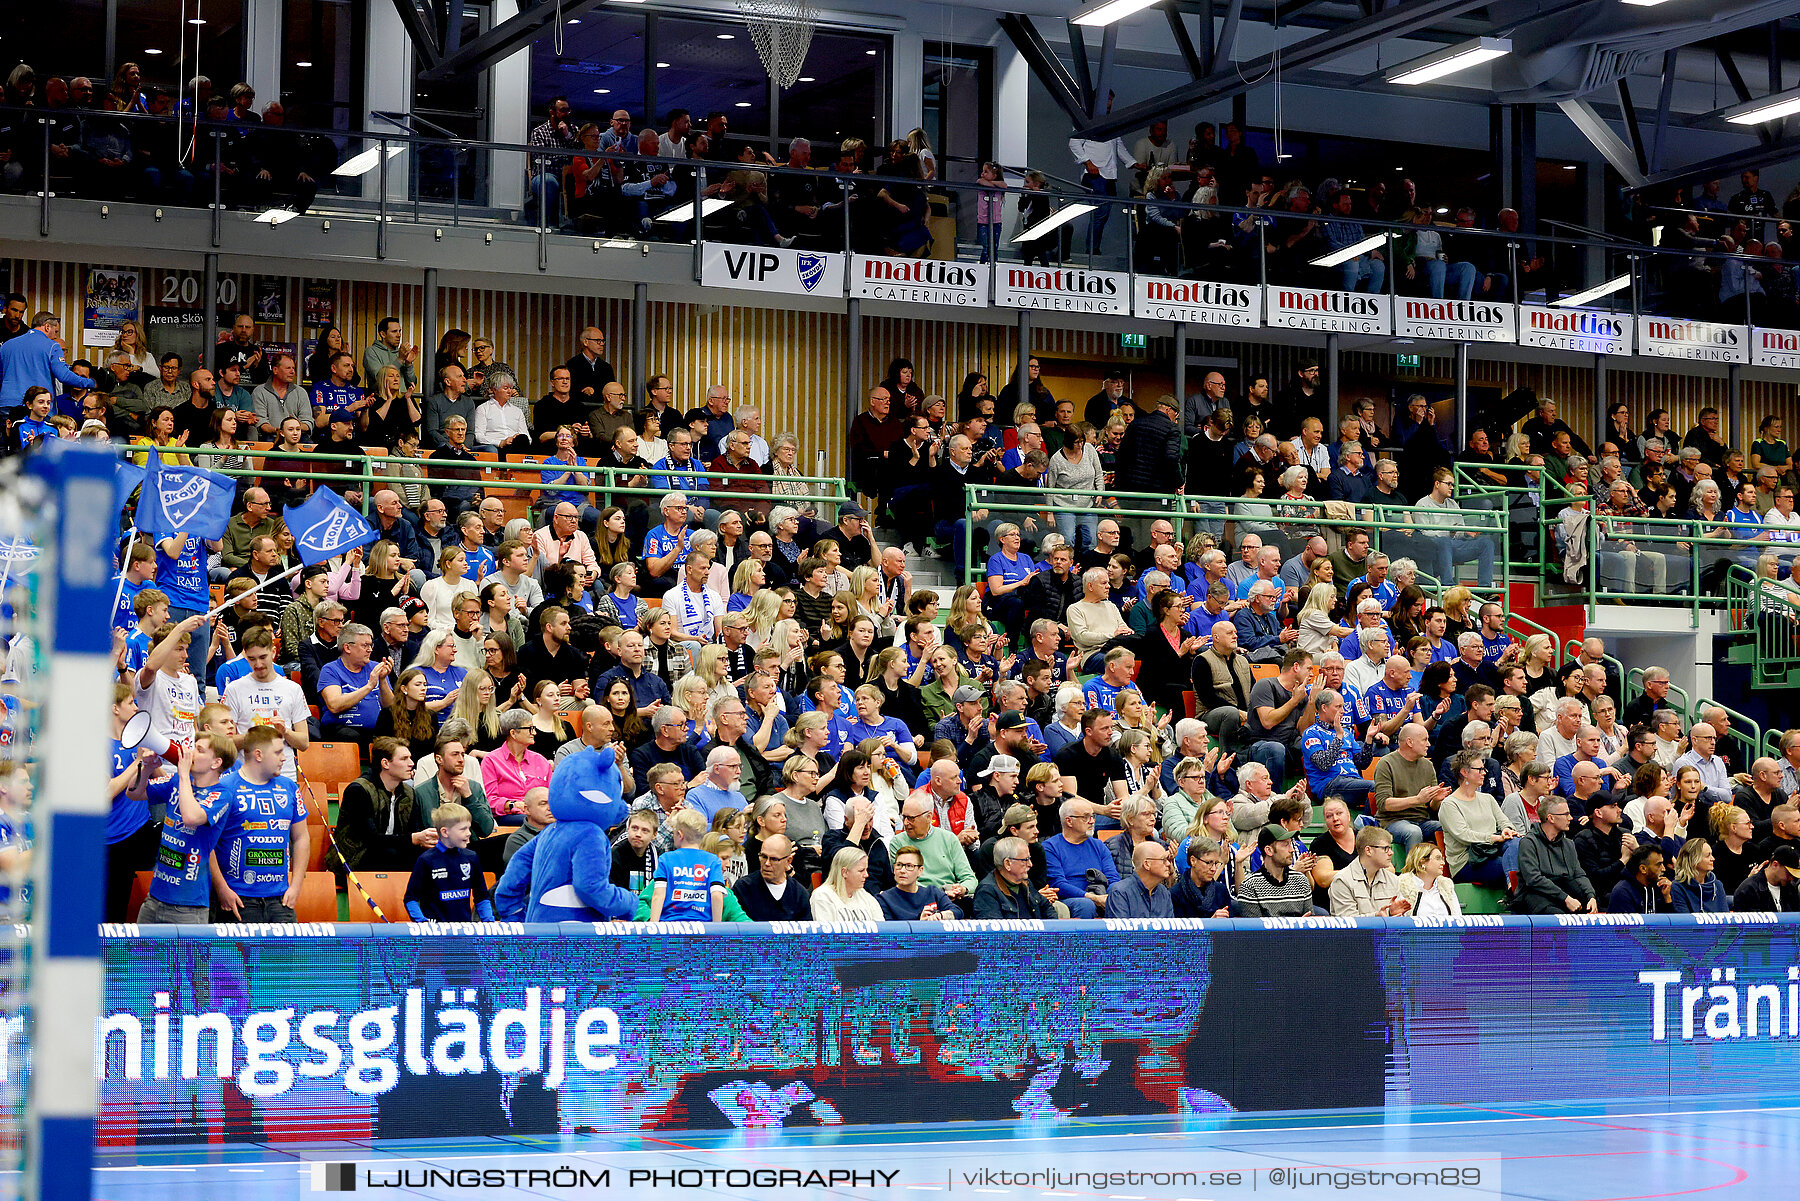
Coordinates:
[1752,741]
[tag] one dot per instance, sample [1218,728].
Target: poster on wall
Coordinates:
[271,349]
[319,304]
[109,300]
[269,300]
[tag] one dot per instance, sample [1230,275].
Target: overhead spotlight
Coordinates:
[1112,10]
[1616,284]
[1372,242]
[726,37]
[153,52]
[1060,217]
[805,79]
[1450,60]
[742,104]
[1769,108]
[685,212]
[362,164]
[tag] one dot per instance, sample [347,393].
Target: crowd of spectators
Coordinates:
[1124,716]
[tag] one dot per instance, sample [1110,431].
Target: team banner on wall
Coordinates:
[1696,341]
[109,300]
[1330,311]
[1062,289]
[772,269]
[1455,320]
[305,1033]
[919,281]
[1197,301]
[1578,330]
[1775,348]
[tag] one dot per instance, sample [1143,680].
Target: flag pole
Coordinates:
[124,566]
[296,568]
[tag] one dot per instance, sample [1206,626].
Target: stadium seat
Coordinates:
[318,898]
[1264,671]
[389,891]
[1476,899]
[1189,705]
[140,892]
[318,848]
[329,766]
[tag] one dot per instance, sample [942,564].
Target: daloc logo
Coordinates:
[811,269]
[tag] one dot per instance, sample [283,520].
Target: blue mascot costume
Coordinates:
[569,864]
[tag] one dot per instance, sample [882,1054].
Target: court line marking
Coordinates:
[1035,1138]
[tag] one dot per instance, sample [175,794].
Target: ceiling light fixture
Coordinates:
[195,21]
[153,52]
[685,212]
[662,66]
[804,79]
[1616,284]
[1450,60]
[303,64]
[1768,108]
[1112,10]
[742,104]
[1372,242]
[362,164]
[1060,217]
[602,91]
[726,37]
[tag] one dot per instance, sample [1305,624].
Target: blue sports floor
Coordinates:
[1569,1153]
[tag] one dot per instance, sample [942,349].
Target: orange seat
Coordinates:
[317,848]
[1109,835]
[318,898]
[140,892]
[330,766]
[924,761]
[389,891]
[1264,671]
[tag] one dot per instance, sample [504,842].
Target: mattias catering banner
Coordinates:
[303,1033]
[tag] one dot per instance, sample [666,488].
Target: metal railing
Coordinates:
[399,175]
[1392,528]
[1769,612]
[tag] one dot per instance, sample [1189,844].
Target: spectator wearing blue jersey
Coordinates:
[1260,635]
[137,575]
[1102,692]
[1333,757]
[353,689]
[1009,573]
[1388,704]
[35,359]
[181,574]
[1381,587]
[447,883]
[1497,645]
[338,394]
[689,882]
[666,547]
[132,829]
[205,798]
[151,608]
[260,861]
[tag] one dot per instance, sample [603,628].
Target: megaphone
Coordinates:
[139,734]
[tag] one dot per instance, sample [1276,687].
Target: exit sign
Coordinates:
[1408,362]
[1134,341]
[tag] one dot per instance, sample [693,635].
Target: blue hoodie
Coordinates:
[572,859]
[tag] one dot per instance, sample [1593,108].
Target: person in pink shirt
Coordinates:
[562,539]
[514,769]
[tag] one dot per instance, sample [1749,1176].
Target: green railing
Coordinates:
[1391,527]
[1527,488]
[1634,688]
[1693,561]
[490,476]
[1768,611]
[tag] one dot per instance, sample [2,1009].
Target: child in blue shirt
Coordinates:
[151,605]
[180,883]
[447,883]
[689,883]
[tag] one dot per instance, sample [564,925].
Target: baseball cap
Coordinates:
[1273,833]
[1786,856]
[1000,763]
[341,417]
[966,694]
[96,425]
[1012,719]
[851,509]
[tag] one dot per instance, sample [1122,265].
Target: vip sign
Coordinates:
[1196,300]
[1696,341]
[1774,348]
[1063,290]
[1455,320]
[1330,311]
[919,281]
[772,269]
[1574,329]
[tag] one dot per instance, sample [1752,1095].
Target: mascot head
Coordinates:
[585,787]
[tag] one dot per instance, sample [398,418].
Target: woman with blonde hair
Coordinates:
[1426,884]
[840,897]
[1138,716]
[865,591]
[789,640]
[965,616]
[1535,658]
[763,612]
[711,665]
[1697,889]
[475,705]
[692,694]
[748,579]
[1318,633]
[131,342]
[1455,602]
[394,409]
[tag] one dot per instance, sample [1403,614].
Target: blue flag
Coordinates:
[184,500]
[326,526]
[126,478]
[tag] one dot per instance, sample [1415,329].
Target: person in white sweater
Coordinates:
[498,423]
[840,897]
